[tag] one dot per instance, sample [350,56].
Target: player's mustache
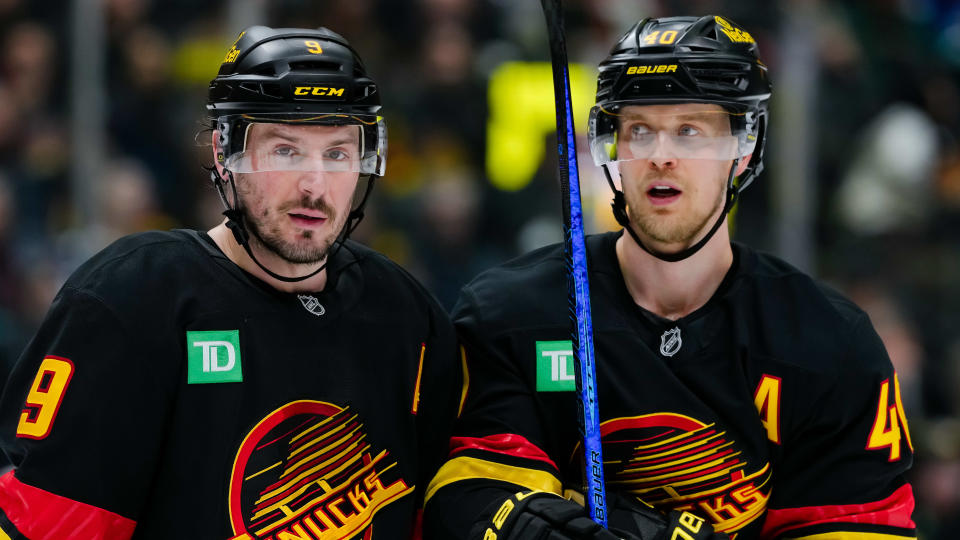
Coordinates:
[310,204]
[667,176]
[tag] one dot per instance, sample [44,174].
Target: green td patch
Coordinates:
[213,356]
[555,366]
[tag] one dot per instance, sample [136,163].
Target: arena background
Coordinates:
[100,102]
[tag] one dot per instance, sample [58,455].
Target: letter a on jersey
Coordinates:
[213,357]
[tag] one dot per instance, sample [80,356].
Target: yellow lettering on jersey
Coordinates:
[717,507]
[297,534]
[900,410]
[767,400]
[44,399]
[886,425]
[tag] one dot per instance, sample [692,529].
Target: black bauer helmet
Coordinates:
[670,60]
[293,76]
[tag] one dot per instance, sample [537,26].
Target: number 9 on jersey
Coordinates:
[45,397]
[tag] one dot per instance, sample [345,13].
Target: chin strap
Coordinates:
[619,206]
[236,224]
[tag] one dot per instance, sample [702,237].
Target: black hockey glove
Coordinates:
[630,518]
[540,515]
[545,516]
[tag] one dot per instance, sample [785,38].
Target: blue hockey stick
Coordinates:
[575,251]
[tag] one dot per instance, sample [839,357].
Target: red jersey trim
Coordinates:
[501,443]
[39,514]
[894,511]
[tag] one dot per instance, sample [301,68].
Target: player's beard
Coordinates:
[266,230]
[683,229]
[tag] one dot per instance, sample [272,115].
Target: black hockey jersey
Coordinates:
[169,394]
[773,410]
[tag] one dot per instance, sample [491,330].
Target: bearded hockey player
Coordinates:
[256,381]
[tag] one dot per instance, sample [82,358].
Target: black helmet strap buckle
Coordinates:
[619,206]
[237,224]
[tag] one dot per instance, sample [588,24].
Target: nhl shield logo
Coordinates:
[670,342]
[311,304]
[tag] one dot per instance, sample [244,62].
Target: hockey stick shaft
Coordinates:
[575,251]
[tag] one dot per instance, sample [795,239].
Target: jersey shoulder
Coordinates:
[529,290]
[783,278]
[389,278]
[145,268]
[813,323]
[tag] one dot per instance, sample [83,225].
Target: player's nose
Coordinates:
[313,182]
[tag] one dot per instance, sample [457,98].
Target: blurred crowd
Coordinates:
[883,144]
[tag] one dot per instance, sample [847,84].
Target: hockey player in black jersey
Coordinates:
[267,379]
[737,396]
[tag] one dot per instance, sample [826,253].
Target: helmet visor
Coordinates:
[688,131]
[332,143]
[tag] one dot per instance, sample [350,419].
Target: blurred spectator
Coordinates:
[28,65]
[889,185]
[11,284]
[128,204]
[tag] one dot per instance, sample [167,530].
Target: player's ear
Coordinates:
[742,164]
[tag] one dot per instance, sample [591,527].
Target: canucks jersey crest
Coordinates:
[307,471]
[677,462]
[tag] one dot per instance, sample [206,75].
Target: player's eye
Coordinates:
[336,154]
[285,151]
[688,131]
[641,132]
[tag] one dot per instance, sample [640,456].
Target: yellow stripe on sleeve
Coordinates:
[4,535]
[466,468]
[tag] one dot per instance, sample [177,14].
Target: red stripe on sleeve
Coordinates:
[501,443]
[39,514]
[894,511]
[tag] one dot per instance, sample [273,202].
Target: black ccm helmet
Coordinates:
[293,76]
[705,59]
[298,76]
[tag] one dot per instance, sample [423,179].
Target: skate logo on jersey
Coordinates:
[676,462]
[311,304]
[308,472]
[670,342]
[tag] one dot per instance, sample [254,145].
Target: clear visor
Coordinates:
[663,132]
[306,143]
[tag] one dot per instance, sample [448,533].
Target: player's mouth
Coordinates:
[307,219]
[661,194]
